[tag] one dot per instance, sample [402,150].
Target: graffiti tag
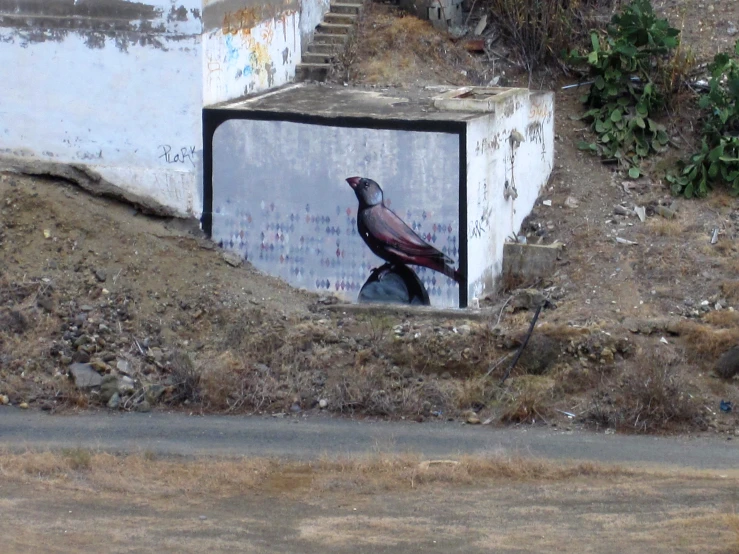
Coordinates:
[181,156]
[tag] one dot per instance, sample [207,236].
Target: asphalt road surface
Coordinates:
[316,436]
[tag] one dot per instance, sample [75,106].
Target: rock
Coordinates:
[108,388]
[4,400]
[527,299]
[84,376]
[620,210]
[114,401]
[82,340]
[81,357]
[322,403]
[143,407]
[86,308]
[123,366]
[45,302]
[606,355]
[528,263]
[232,259]
[100,275]
[571,202]
[480,27]
[295,408]
[125,385]
[154,393]
[665,212]
[156,354]
[100,366]
[728,364]
[23,405]
[471,418]
[425,465]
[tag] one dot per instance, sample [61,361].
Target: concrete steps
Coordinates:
[329,40]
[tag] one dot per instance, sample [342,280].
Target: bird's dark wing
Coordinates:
[386,227]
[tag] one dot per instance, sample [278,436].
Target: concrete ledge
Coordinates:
[527,263]
[408,311]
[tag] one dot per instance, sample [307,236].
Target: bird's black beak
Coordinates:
[353,181]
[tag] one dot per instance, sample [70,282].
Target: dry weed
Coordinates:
[732,522]
[723,318]
[396,49]
[539,30]
[665,227]
[185,377]
[706,342]
[527,399]
[226,477]
[730,289]
[651,396]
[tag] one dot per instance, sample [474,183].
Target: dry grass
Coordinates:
[145,473]
[665,227]
[651,396]
[732,522]
[538,30]
[730,289]
[527,399]
[723,319]
[396,49]
[705,342]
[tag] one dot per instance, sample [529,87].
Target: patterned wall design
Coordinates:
[280,199]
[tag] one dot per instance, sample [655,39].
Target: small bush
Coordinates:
[185,377]
[78,458]
[717,161]
[538,30]
[634,68]
[652,397]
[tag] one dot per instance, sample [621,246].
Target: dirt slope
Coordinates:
[632,343]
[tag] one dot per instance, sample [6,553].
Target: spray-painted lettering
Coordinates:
[181,156]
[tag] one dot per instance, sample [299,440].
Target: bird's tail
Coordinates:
[455,274]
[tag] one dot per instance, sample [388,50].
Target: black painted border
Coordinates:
[214,117]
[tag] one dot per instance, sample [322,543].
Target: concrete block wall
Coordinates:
[510,155]
[119,86]
[462,169]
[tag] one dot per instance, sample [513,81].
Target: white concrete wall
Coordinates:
[311,14]
[119,85]
[491,218]
[126,103]
[242,61]
[254,45]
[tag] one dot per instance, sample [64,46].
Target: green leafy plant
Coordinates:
[633,66]
[717,161]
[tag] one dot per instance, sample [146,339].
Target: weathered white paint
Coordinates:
[491,162]
[124,95]
[116,111]
[251,60]
[311,14]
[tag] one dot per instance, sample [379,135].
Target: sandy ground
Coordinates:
[305,512]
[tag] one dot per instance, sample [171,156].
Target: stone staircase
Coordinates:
[329,40]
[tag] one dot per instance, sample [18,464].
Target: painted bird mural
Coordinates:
[389,237]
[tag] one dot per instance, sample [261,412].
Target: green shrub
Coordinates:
[633,65]
[717,161]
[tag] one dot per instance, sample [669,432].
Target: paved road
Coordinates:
[312,437]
